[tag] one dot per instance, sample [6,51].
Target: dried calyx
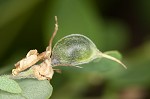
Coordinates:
[71,50]
[40,71]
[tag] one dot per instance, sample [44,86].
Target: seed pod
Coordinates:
[76,49]
[73,49]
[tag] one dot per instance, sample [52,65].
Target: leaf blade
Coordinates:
[31,89]
[9,85]
[35,89]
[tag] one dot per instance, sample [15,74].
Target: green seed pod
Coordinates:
[73,49]
[76,49]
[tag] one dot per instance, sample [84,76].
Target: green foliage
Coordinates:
[138,72]
[76,78]
[31,89]
[9,85]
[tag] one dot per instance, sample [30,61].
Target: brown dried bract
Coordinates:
[43,70]
[26,62]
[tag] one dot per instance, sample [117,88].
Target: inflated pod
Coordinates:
[76,49]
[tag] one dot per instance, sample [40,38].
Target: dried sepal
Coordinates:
[43,71]
[40,71]
[32,52]
[25,62]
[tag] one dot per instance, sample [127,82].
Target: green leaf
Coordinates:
[78,79]
[9,85]
[31,89]
[106,67]
[115,54]
[138,69]
[101,66]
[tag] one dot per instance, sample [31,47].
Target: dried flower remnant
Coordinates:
[40,71]
[43,71]
[26,62]
[71,50]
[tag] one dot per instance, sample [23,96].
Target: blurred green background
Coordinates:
[122,25]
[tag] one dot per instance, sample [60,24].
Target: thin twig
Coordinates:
[53,35]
